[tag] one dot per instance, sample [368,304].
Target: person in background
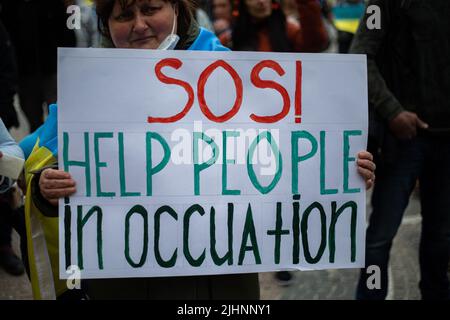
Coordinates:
[290,10]
[36,28]
[408,60]
[8,118]
[222,13]
[8,80]
[203,19]
[87,35]
[262,26]
[222,9]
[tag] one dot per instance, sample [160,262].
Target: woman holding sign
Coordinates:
[140,24]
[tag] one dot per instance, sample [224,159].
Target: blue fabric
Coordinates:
[47,134]
[349,11]
[207,41]
[422,158]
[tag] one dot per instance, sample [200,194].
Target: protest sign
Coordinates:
[194,163]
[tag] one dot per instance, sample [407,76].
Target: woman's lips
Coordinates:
[140,40]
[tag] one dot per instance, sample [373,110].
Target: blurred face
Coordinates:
[222,9]
[143,24]
[259,9]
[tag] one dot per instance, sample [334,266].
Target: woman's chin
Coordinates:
[144,45]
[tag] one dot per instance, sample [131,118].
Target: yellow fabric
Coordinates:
[347,25]
[42,235]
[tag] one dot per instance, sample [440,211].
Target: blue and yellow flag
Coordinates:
[347,16]
[40,150]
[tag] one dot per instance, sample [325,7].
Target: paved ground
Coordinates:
[12,287]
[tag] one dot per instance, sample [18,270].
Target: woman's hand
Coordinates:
[366,168]
[55,184]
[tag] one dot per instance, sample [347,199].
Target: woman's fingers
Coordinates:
[369,184]
[366,168]
[57,193]
[55,184]
[55,174]
[366,173]
[368,176]
[365,155]
[366,164]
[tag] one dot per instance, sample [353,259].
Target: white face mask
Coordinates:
[171,40]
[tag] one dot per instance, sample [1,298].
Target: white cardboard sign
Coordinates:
[195,163]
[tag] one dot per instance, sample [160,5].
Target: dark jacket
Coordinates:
[37,28]
[8,80]
[409,59]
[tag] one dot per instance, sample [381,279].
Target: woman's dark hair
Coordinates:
[104,10]
[245,31]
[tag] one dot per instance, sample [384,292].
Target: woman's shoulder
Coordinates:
[207,41]
[46,134]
